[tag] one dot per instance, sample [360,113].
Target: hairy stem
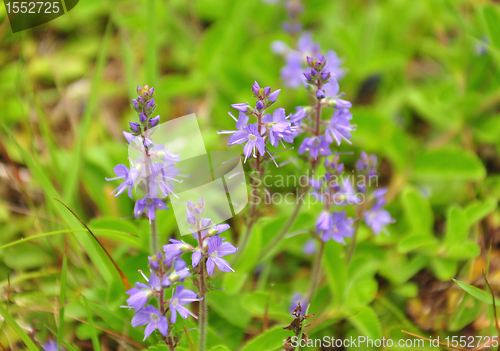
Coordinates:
[203,301]
[167,339]
[154,239]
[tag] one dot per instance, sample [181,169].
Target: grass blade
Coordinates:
[62,296]
[8,318]
[95,339]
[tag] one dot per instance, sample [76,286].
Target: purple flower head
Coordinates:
[309,247]
[243,107]
[139,295]
[299,115]
[377,219]
[279,127]
[315,146]
[274,95]
[50,345]
[129,177]
[151,317]
[135,126]
[180,298]
[217,248]
[162,177]
[150,205]
[342,227]
[154,121]
[252,138]
[367,164]
[129,136]
[174,250]
[179,273]
[340,127]
[154,261]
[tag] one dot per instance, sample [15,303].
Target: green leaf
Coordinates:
[479,294]
[336,270]
[229,307]
[465,313]
[270,340]
[367,323]
[448,164]
[419,242]
[418,211]
[219,348]
[478,210]
[444,268]
[457,227]
[492,20]
[8,318]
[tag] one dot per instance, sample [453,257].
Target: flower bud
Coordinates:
[259,105]
[274,95]
[135,126]
[320,94]
[129,136]
[143,118]
[242,107]
[154,121]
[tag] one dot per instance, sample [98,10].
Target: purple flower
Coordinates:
[196,258]
[129,136]
[174,250]
[243,107]
[274,95]
[291,73]
[252,138]
[309,247]
[134,126]
[324,221]
[129,177]
[180,298]
[367,164]
[315,146]
[280,127]
[377,219]
[179,273]
[50,345]
[139,295]
[340,127]
[341,228]
[299,115]
[162,177]
[217,248]
[150,205]
[154,320]
[154,121]
[333,65]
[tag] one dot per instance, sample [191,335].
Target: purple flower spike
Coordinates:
[154,121]
[129,136]
[135,126]
[243,107]
[180,298]
[151,317]
[274,95]
[315,146]
[143,118]
[339,128]
[217,248]
[150,205]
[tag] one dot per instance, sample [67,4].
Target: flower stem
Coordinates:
[203,301]
[352,245]
[154,239]
[316,273]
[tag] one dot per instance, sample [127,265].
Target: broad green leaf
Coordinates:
[444,268]
[8,318]
[219,348]
[270,340]
[467,250]
[447,165]
[492,19]
[478,210]
[418,211]
[419,242]
[457,227]
[229,307]
[479,294]
[367,323]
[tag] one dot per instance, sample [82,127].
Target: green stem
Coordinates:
[154,239]
[352,246]
[316,273]
[203,302]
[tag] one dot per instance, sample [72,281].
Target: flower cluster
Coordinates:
[165,274]
[336,190]
[325,89]
[211,247]
[295,60]
[268,130]
[154,166]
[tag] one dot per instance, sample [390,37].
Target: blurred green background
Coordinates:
[424,81]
